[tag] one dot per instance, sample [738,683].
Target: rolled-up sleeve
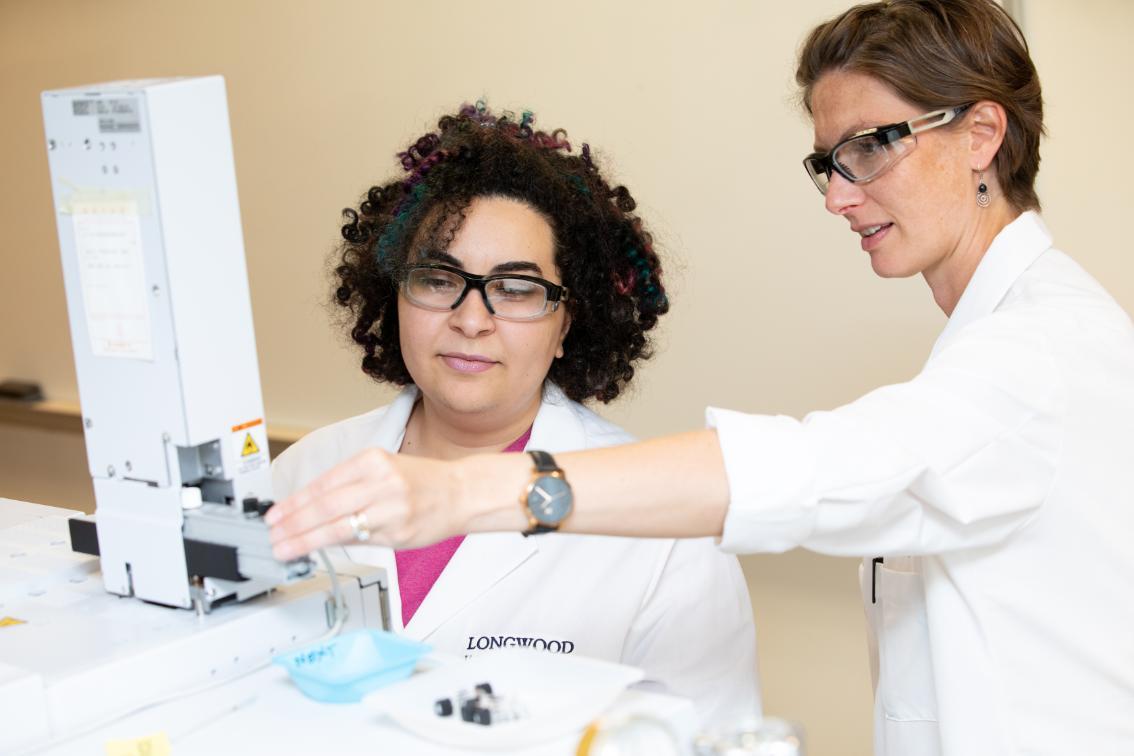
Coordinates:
[771,476]
[959,457]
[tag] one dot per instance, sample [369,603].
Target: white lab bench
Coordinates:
[75,659]
[265,713]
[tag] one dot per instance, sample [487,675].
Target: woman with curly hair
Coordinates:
[501,282]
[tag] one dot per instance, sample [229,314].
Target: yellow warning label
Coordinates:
[250,447]
[8,621]
[152,745]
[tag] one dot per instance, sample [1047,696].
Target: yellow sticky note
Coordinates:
[6,621]
[151,745]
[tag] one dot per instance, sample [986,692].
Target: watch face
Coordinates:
[550,500]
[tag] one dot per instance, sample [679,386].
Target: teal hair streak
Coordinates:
[651,293]
[392,236]
[579,184]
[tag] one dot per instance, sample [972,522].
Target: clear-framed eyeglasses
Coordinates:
[865,156]
[508,296]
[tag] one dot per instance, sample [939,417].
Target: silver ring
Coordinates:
[359,527]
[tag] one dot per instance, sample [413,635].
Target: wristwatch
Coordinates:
[547,499]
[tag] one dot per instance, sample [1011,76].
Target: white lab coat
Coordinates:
[677,609]
[1006,469]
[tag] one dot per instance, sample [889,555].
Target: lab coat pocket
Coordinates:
[906,685]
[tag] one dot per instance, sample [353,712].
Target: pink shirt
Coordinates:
[418,569]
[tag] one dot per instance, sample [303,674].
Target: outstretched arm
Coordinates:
[674,486]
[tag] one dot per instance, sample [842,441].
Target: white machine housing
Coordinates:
[149,228]
[75,657]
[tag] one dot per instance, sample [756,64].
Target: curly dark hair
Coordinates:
[604,254]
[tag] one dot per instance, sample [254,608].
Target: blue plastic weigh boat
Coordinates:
[346,668]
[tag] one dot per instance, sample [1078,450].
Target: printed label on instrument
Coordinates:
[252,441]
[116,115]
[108,242]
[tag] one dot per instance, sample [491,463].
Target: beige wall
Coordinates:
[690,104]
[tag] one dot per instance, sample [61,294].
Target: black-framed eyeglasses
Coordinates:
[509,296]
[865,156]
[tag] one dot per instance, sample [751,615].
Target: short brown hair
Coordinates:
[941,53]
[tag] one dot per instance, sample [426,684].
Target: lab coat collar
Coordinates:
[1013,251]
[557,428]
[486,559]
[391,429]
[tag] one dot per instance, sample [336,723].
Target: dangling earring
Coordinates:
[982,197]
